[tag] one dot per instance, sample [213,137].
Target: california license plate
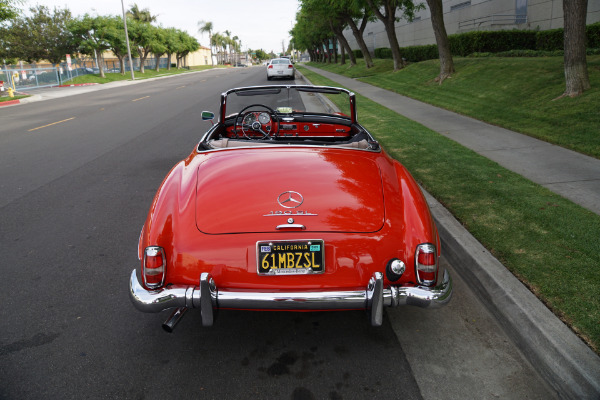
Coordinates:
[290,257]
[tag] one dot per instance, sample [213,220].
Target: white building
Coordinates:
[469,15]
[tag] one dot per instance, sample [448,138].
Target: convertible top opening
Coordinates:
[298,115]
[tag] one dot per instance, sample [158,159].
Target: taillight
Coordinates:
[426,265]
[290,66]
[154,267]
[270,66]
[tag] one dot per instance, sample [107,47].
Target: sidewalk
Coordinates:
[565,172]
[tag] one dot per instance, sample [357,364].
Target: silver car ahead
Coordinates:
[280,68]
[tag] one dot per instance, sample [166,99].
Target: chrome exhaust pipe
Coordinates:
[170,323]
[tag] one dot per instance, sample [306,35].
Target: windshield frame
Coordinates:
[276,89]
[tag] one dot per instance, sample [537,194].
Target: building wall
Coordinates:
[464,16]
[199,57]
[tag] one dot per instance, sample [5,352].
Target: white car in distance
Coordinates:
[280,68]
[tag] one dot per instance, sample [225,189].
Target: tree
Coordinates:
[115,35]
[142,35]
[441,38]
[90,34]
[40,36]
[389,19]
[172,44]
[188,45]
[576,73]
[350,11]
[158,46]
[207,27]
[8,9]
[322,11]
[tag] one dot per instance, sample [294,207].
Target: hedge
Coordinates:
[528,41]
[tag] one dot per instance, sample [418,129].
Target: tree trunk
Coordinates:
[390,30]
[157,63]
[389,21]
[335,52]
[358,35]
[576,74]
[100,63]
[340,35]
[121,64]
[441,38]
[343,55]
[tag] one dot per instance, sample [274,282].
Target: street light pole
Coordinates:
[127,40]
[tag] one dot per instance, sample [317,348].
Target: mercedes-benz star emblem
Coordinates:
[290,199]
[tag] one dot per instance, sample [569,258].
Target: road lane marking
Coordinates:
[54,123]
[145,97]
[180,87]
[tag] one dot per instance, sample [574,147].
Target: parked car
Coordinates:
[280,68]
[288,203]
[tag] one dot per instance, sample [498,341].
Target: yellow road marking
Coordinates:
[54,123]
[145,97]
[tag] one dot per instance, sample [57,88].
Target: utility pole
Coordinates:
[127,40]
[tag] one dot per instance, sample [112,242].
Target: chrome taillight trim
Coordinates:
[153,251]
[426,248]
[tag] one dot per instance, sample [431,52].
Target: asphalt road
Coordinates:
[77,176]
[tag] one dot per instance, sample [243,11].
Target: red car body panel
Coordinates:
[351,256]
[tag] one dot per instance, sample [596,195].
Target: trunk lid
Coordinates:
[259,190]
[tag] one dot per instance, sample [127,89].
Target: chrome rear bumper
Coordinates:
[208,297]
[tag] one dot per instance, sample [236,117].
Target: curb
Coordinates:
[79,84]
[9,102]
[563,360]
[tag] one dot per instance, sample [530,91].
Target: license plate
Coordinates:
[290,257]
[280,72]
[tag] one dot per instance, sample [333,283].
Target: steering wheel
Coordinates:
[256,126]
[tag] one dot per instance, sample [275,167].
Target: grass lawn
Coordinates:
[548,242]
[17,97]
[148,73]
[515,93]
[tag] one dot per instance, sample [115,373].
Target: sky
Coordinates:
[259,24]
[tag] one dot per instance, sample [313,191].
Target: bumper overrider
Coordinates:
[208,298]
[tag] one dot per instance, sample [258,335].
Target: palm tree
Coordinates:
[236,49]
[227,41]
[141,15]
[207,27]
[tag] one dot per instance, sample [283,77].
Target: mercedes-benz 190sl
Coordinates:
[288,203]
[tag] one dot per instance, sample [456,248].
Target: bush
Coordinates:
[593,35]
[358,53]
[515,43]
[491,41]
[383,52]
[550,40]
[420,53]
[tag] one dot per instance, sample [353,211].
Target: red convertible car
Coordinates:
[288,203]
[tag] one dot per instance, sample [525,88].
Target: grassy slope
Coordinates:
[548,242]
[515,93]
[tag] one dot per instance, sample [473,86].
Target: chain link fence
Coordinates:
[23,77]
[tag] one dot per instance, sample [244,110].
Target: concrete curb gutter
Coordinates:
[566,363]
[10,103]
